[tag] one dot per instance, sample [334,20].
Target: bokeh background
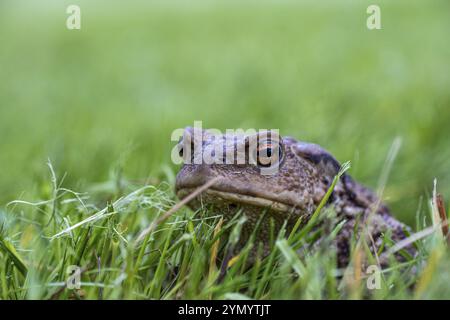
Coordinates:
[109,95]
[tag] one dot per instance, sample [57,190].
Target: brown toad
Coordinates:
[303,174]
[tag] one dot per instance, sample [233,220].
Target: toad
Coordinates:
[304,173]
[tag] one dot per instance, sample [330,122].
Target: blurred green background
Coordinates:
[110,94]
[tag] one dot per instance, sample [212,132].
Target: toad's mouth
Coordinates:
[239,199]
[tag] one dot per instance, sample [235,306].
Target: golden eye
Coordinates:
[268,154]
[185,148]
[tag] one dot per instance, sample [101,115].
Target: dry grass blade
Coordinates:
[175,208]
[439,214]
[413,238]
[443,215]
[58,292]
[215,249]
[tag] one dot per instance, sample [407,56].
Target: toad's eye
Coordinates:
[269,154]
[185,148]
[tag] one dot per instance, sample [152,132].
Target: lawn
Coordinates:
[86,117]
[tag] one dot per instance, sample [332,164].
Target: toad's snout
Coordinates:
[193,176]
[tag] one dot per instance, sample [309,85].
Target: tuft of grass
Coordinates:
[181,256]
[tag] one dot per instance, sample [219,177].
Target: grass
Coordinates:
[101,102]
[181,256]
